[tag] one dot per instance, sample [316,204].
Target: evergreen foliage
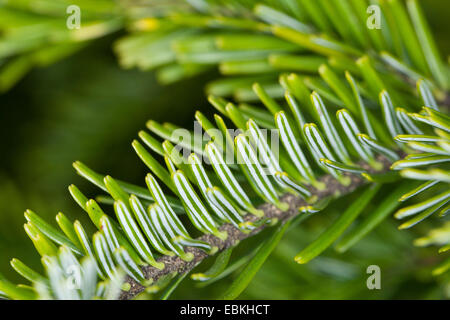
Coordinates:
[355,109]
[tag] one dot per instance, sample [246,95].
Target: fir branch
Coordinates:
[176,264]
[267,45]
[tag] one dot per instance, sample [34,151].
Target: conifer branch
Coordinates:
[176,264]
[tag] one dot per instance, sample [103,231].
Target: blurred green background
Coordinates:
[86,108]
